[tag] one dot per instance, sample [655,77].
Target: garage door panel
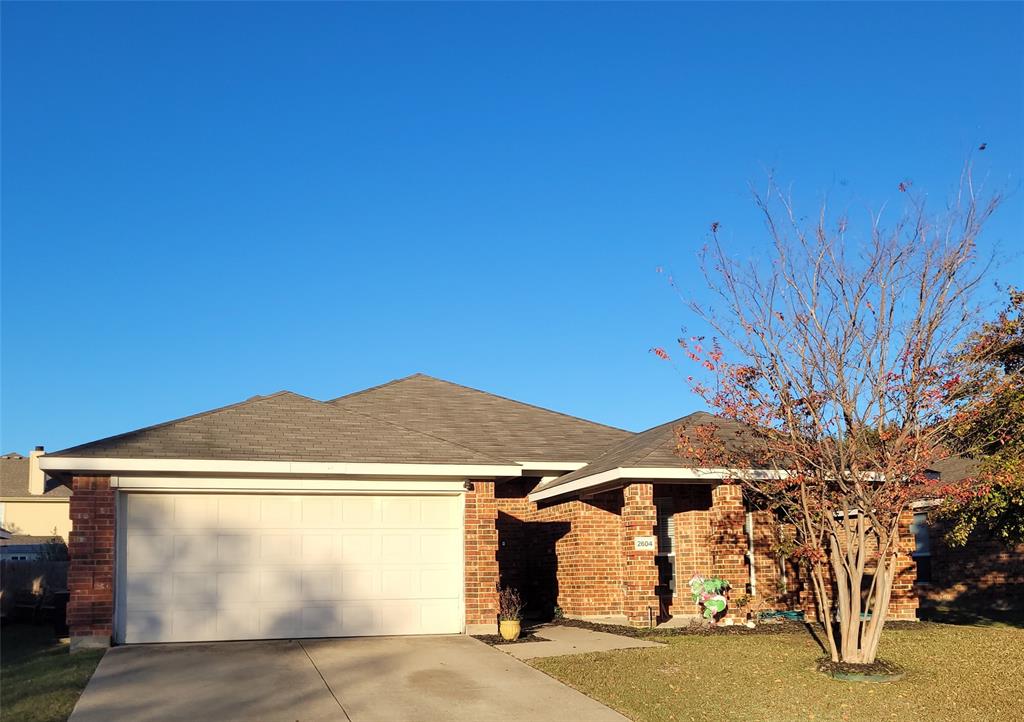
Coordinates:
[264,566]
[239,622]
[359,512]
[436,547]
[150,551]
[320,512]
[278,548]
[195,512]
[192,551]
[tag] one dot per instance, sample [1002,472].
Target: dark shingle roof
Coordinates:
[956,468]
[656,448]
[14,479]
[477,419]
[284,427]
[17,540]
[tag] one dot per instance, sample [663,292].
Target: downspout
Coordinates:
[750,553]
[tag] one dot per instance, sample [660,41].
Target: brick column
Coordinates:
[640,575]
[729,538]
[91,569]
[904,601]
[481,545]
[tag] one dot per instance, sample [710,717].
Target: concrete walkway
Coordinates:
[572,640]
[370,679]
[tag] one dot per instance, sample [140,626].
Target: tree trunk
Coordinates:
[861,622]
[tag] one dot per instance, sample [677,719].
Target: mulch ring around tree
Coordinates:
[878,671]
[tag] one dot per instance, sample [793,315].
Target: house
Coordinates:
[32,503]
[397,510]
[984,576]
[25,547]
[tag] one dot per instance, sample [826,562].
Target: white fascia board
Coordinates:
[654,473]
[85,465]
[286,485]
[925,504]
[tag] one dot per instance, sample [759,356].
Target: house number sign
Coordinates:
[644,543]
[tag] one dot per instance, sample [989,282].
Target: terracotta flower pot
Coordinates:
[510,629]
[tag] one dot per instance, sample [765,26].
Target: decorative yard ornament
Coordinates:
[709,593]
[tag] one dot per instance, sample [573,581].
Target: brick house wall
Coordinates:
[798,592]
[577,555]
[481,549]
[90,612]
[985,576]
[692,544]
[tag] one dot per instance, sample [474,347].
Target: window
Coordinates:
[665,559]
[666,526]
[922,547]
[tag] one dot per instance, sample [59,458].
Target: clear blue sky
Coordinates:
[203,202]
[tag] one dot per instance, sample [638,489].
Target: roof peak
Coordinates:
[428,377]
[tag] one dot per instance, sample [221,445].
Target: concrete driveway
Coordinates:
[362,680]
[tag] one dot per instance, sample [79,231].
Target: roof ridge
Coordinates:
[360,392]
[210,412]
[339,409]
[481,391]
[532,406]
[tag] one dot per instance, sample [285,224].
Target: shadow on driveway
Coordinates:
[366,679]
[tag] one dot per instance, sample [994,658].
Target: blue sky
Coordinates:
[203,202]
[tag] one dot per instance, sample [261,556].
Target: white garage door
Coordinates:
[239,566]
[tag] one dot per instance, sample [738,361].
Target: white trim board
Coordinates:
[244,485]
[87,465]
[654,474]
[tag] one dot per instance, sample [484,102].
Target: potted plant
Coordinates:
[510,613]
[710,594]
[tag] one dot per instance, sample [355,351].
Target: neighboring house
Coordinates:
[32,503]
[24,547]
[398,510]
[983,576]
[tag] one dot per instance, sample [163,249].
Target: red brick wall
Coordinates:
[90,611]
[985,576]
[640,577]
[799,590]
[481,545]
[729,539]
[578,541]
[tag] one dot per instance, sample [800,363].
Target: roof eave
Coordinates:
[612,477]
[65,465]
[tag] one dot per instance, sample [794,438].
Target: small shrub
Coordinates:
[510,604]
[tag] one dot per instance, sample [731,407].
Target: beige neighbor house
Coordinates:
[399,510]
[31,503]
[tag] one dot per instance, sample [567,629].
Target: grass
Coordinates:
[39,680]
[953,673]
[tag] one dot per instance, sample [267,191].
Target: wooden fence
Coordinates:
[31,585]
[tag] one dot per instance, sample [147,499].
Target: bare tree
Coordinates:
[831,352]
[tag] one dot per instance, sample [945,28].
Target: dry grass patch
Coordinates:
[953,673]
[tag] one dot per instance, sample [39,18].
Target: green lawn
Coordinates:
[39,680]
[953,673]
